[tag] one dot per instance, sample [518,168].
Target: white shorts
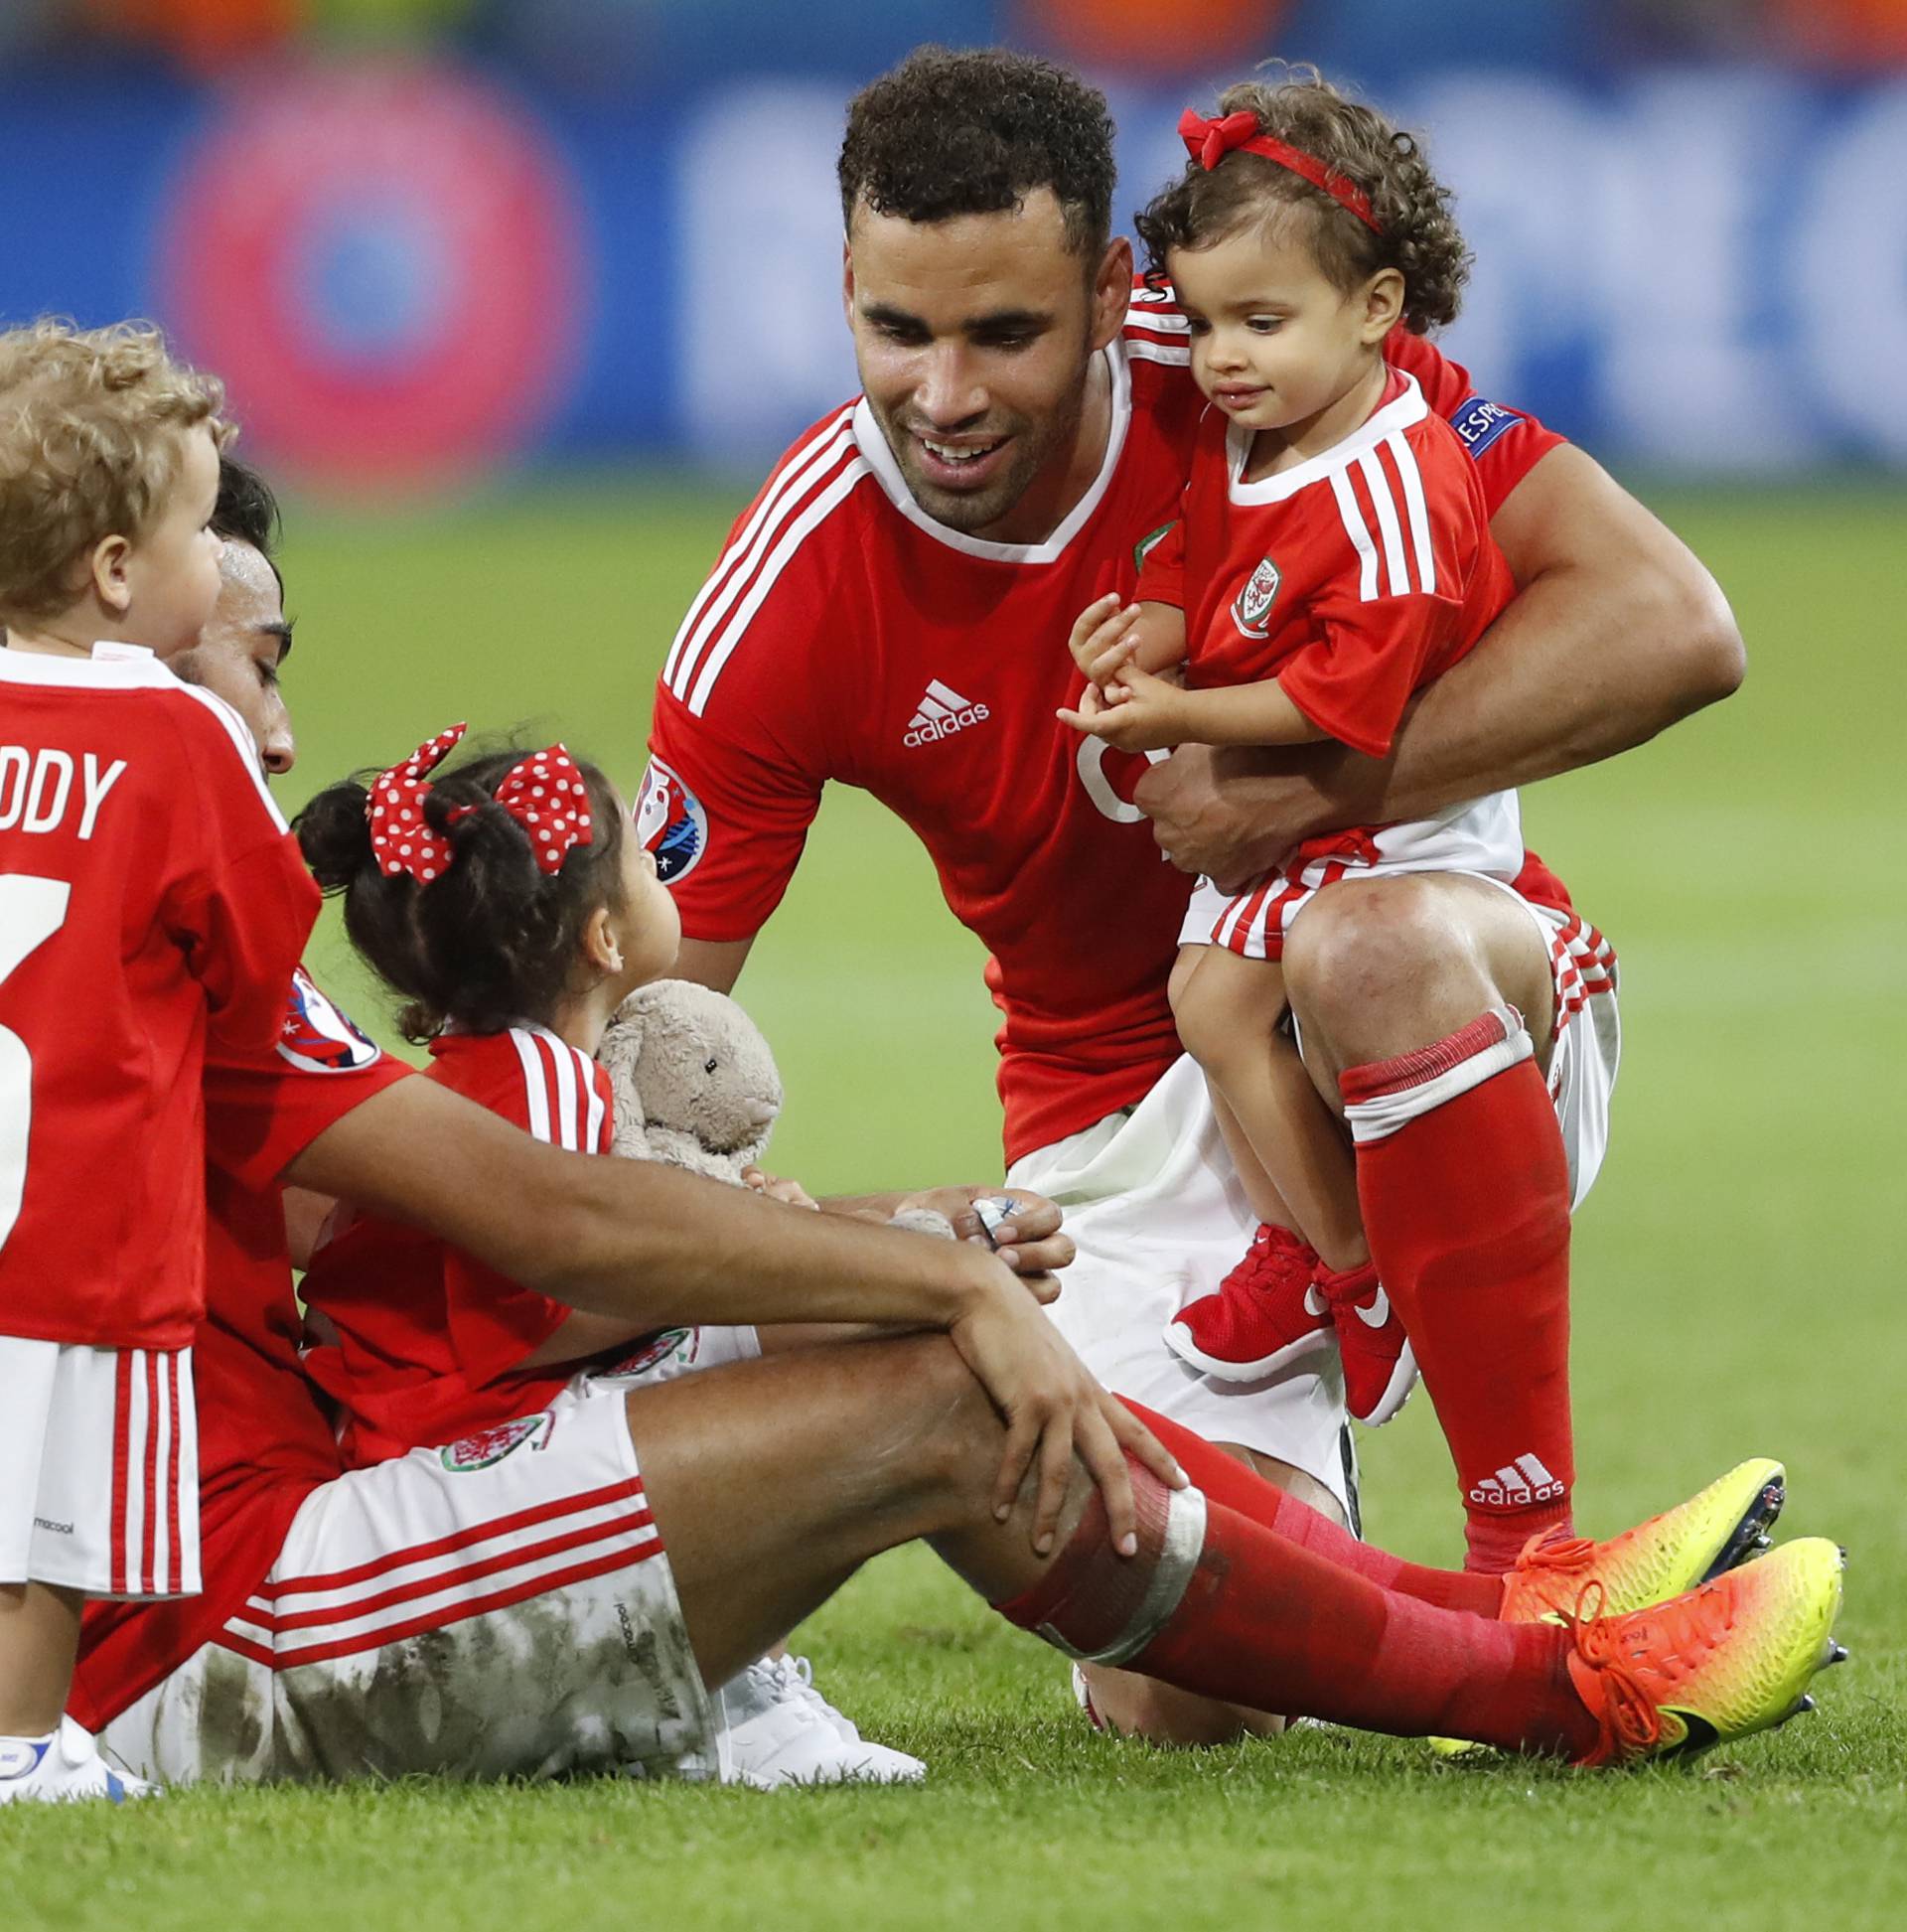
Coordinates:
[1159,1219]
[98,1469]
[501,1607]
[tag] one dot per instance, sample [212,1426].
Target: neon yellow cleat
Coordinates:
[1697,1540]
[1728,1659]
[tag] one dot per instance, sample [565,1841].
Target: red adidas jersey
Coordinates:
[844,635]
[266,1437]
[428,1340]
[1352,577]
[148,890]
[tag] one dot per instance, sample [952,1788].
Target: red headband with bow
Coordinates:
[1208,142]
[544,793]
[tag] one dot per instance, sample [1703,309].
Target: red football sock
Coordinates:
[1261,1622]
[1227,1480]
[1465,1192]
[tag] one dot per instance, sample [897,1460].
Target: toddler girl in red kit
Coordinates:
[1333,556]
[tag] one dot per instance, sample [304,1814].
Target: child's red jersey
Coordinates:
[149,891]
[427,1340]
[845,636]
[1352,577]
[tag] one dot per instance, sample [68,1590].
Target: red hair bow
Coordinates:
[400,839]
[546,795]
[1208,142]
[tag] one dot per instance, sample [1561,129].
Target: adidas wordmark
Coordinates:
[941,713]
[1517,1485]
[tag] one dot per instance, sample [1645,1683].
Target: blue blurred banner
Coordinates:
[409,270]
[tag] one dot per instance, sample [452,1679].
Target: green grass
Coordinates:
[1738,1290]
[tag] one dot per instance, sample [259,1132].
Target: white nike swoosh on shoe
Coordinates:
[1378,1311]
[1315,1303]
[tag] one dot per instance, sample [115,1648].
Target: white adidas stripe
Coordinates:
[1153,351]
[733,566]
[1378,484]
[1353,519]
[1406,458]
[723,647]
[535,1088]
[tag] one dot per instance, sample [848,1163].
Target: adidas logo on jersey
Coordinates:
[1517,1485]
[941,713]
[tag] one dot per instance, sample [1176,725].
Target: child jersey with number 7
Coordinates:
[149,891]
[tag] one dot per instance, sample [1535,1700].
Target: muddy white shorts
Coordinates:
[98,1469]
[501,1607]
[1159,1219]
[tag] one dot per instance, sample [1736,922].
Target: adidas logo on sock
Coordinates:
[1517,1485]
[940,714]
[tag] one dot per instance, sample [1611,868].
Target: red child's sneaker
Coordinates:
[1266,1315]
[1380,1370]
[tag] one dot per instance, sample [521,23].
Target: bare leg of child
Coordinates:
[38,1640]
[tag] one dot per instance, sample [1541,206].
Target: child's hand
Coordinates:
[779,1189]
[1103,638]
[1139,712]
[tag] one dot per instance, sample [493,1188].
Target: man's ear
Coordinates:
[106,573]
[1383,304]
[1111,291]
[847,279]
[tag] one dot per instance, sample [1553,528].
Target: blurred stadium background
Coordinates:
[518,298]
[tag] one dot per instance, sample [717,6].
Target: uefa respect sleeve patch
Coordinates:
[1480,423]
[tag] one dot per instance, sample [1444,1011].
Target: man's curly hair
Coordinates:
[950,133]
[1412,207]
[91,433]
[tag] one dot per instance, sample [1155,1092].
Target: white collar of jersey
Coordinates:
[887,472]
[118,666]
[1401,412]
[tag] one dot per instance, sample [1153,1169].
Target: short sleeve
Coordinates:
[244,913]
[265,1106]
[1162,566]
[1355,679]
[1505,444]
[725,808]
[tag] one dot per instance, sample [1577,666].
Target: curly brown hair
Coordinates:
[493,941]
[92,424]
[974,132]
[1419,235]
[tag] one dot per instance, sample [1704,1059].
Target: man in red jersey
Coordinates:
[891,612]
[354,1622]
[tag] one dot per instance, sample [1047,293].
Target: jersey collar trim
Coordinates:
[887,472]
[111,668]
[1401,412]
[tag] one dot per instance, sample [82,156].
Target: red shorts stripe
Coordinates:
[455,1613]
[631,1486]
[149,1548]
[436,1580]
[175,1490]
[121,1422]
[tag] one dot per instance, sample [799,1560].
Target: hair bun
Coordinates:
[334,836]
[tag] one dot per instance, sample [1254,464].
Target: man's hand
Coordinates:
[1232,813]
[1030,1243]
[1054,1410]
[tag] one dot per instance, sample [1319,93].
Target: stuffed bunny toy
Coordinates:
[696,1086]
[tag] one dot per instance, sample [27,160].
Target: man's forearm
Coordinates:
[630,1237]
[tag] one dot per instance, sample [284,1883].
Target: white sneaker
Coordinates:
[781,1730]
[62,1767]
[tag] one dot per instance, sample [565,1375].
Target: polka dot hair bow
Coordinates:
[400,839]
[546,794]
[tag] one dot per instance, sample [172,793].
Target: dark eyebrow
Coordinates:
[996,322]
[279,628]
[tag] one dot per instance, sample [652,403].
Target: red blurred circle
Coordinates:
[1155,34]
[466,198]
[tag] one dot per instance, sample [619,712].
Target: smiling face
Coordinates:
[240,652]
[975,338]
[1274,343]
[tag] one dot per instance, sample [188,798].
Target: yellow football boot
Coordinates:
[1728,1659]
[1689,1545]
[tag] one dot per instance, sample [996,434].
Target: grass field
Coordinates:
[1738,1289]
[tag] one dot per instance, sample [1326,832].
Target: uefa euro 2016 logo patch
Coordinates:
[490,1445]
[1253,605]
[316,1037]
[669,822]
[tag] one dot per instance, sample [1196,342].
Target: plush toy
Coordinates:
[696,1086]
